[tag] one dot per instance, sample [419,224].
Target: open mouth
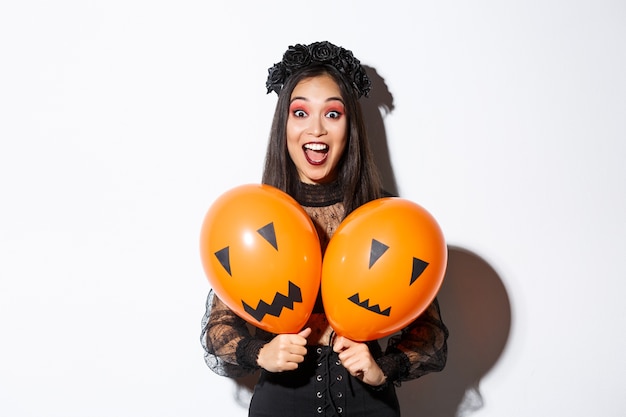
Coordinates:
[277,305]
[356,299]
[315,152]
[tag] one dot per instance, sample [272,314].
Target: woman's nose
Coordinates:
[317,128]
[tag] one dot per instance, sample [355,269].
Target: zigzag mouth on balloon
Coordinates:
[276,307]
[356,299]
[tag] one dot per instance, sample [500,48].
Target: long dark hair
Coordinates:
[357,173]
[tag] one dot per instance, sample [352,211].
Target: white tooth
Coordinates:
[316,146]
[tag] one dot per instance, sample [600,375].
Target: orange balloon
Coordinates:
[383,267]
[261,254]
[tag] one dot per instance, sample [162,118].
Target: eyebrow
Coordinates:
[329,99]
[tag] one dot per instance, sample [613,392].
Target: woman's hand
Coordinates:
[284,352]
[358,360]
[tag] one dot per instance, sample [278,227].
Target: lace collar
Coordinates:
[318,195]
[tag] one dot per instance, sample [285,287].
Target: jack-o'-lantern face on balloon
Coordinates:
[262,256]
[382,268]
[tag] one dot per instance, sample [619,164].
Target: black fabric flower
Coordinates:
[300,56]
[323,51]
[361,81]
[297,56]
[276,78]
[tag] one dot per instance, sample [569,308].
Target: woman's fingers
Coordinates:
[284,352]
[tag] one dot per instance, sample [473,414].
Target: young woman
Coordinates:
[319,154]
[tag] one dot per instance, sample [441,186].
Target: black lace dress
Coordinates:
[321,386]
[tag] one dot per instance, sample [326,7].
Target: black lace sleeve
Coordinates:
[231,346]
[419,349]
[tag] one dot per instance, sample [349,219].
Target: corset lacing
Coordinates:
[331,381]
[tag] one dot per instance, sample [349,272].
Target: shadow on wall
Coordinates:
[475,306]
[375,107]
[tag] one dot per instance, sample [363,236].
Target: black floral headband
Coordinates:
[301,56]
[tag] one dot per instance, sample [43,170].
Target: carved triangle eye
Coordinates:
[269,234]
[418,267]
[223,255]
[376,251]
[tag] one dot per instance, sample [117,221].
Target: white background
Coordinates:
[121,122]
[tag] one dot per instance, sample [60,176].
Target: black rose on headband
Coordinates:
[324,52]
[297,57]
[301,56]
